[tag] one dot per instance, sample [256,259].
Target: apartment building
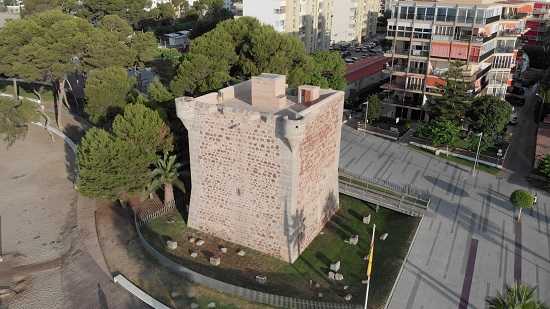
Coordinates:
[348,19]
[264,165]
[371,12]
[538,23]
[310,20]
[427,36]
[318,23]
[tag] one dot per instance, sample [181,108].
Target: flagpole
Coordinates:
[369,265]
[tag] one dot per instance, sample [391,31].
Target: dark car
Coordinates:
[515,100]
[516,90]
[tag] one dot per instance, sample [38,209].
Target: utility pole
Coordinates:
[369,265]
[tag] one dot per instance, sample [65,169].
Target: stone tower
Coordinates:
[264,166]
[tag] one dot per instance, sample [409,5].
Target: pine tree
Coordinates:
[456,99]
[117,164]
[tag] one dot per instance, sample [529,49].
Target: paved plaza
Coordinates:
[469,246]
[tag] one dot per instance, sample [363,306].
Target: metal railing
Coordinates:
[514,16]
[403,199]
[492,19]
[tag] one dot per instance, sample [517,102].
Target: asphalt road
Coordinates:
[521,155]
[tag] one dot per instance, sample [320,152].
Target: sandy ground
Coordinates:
[38,213]
[38,201]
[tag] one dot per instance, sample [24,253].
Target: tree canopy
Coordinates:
[375,108]
[131,10]
[49,46]
[489,114]
[36,6]
[238,49]
[107,93]
[14,119]
[444,132]
[158,93]
[543,167]
[117,163]
[144,127]
[522,199]
[456,100]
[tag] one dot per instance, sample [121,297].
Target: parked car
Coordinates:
[516,90]
[515,100]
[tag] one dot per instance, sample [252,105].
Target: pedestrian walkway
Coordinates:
[468,246]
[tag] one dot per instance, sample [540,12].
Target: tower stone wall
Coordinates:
[264,174]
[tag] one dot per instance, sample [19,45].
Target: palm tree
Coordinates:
[165,173]
[519,296]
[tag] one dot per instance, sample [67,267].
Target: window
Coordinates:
[441,14]
[410,12]
[470,16]
[444,30]
[451,14]
[430,12]
[403,13]
[480,16]
[461,15]
[421,13]
[420,33]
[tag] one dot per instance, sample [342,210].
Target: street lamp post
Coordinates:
[499,155]
[366,113]
[477,153]
[369,265]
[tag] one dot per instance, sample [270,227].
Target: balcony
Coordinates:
[492,19]
[420,53]
[398,52]
[517,16]
[400,85]
[490,37]
[486,55]
[504,49]
[470,72]
[439,37]
[511,32]
[414,70]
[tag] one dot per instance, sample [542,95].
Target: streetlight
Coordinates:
[369,265]
[477,153]
[366,113]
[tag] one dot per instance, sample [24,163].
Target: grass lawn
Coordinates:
[327,248]
[480,166]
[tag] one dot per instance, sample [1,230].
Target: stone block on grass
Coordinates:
[172,245]
[215,260]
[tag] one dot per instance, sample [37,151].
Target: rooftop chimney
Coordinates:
[307,95]
[269,91]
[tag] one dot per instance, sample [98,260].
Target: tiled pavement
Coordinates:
[469,236]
